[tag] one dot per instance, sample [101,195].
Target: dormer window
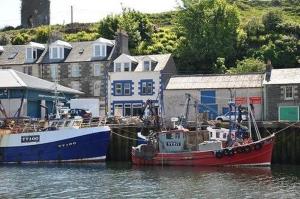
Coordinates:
[31,54]
[56,52]
[117,67]
[127,67]
[99,50]
[147,65]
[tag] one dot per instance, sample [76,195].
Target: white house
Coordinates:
[136,79]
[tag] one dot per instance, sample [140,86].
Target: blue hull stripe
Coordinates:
[77,148]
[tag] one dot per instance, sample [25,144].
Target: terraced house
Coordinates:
[80,65]
[136,79]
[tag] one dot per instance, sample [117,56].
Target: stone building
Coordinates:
[281,90]
[35,13]
[81,65]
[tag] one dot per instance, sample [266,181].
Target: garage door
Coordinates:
[289,113]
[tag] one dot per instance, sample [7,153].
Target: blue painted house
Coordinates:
[135,79]
[19,91]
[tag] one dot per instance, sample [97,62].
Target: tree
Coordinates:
[248,65]
[109,26]
[42,34]
[210,30]
[271,20]
[4,39]
[137,26]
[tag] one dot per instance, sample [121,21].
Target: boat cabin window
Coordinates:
[224,135]
[177,135]
[61,123]
[217,134]
[169,136]
[67,123]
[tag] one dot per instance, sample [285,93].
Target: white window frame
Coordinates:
[101,52]
[97,86]
[130,108]
[292,92]
[59,52]
[118,89]
[127,88]
[75,70]
[97,70]
[144,65]
[126,65]
[29,55]
[118,66]
[118,107]
[54,71]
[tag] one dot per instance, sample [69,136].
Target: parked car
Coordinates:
[234,116]
[86,114]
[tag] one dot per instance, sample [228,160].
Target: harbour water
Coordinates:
[122,180]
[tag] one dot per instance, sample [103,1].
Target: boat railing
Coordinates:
[27,126]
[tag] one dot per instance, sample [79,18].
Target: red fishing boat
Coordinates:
[233,146]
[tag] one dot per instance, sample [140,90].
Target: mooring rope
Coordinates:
[123,136]
[286,127]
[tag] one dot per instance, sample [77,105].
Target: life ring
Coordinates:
[219,154]
[258,146]
[226,152]
[239,150]
[231,152]
[247,149]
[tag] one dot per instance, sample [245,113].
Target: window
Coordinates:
[54,71]
[29,53]
[56,53]
[118,89]
[117,67]
[75,85]
[146,88]
[136,109]
[126,67]
[75,71]
[288,93]
[27,70]
[97,69]
[127,109]
[146,65]
[100,50]
[118,109]
[122,88]
[97,86]
[127,89]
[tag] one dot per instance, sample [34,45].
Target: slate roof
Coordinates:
[160,59]
[284,76]
[74,55]
[14,79]
[215,81]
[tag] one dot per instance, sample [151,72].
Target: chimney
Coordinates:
[268,70]
[122,42]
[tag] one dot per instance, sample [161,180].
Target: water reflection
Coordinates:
[122,180]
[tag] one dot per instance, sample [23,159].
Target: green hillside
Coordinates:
[236,35]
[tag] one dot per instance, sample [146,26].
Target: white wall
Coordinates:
[135,77]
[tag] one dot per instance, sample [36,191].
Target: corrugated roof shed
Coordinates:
[284,76]
[215,81]
[14,79]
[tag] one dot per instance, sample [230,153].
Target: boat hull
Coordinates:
[65,145]
[254,157]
